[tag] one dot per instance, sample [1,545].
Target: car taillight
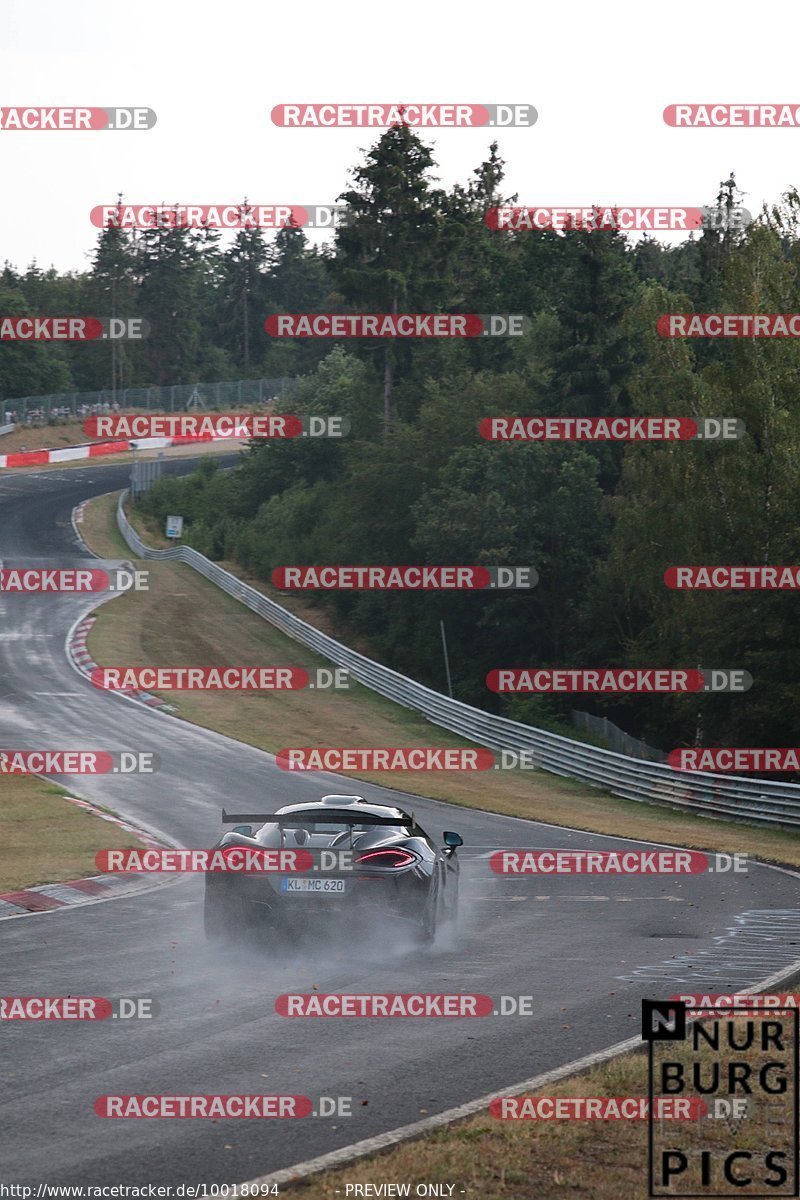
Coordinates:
[385,858]
[235,856]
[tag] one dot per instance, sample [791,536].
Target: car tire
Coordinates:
[429,923]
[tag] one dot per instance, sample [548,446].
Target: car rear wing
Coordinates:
[326,816]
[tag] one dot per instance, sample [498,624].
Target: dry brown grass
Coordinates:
[44,838]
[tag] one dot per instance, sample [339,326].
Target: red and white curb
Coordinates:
[85,664]
[51,896]
[38,458]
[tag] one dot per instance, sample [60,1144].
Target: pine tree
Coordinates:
[387,253]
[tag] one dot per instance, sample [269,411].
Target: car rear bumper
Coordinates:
[404,896]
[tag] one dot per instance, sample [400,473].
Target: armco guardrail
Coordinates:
[7,429]
[753,800]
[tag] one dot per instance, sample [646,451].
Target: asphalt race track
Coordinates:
[568,942]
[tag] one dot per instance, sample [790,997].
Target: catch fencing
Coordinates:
[614,737]
[753,800]
[67,406]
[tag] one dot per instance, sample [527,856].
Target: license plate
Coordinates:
[312,885]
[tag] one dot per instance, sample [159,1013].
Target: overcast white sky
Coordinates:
[599,76]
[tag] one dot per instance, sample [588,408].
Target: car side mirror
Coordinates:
[452,839]
[246,830]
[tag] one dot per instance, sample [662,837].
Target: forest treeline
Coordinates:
[413,481]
